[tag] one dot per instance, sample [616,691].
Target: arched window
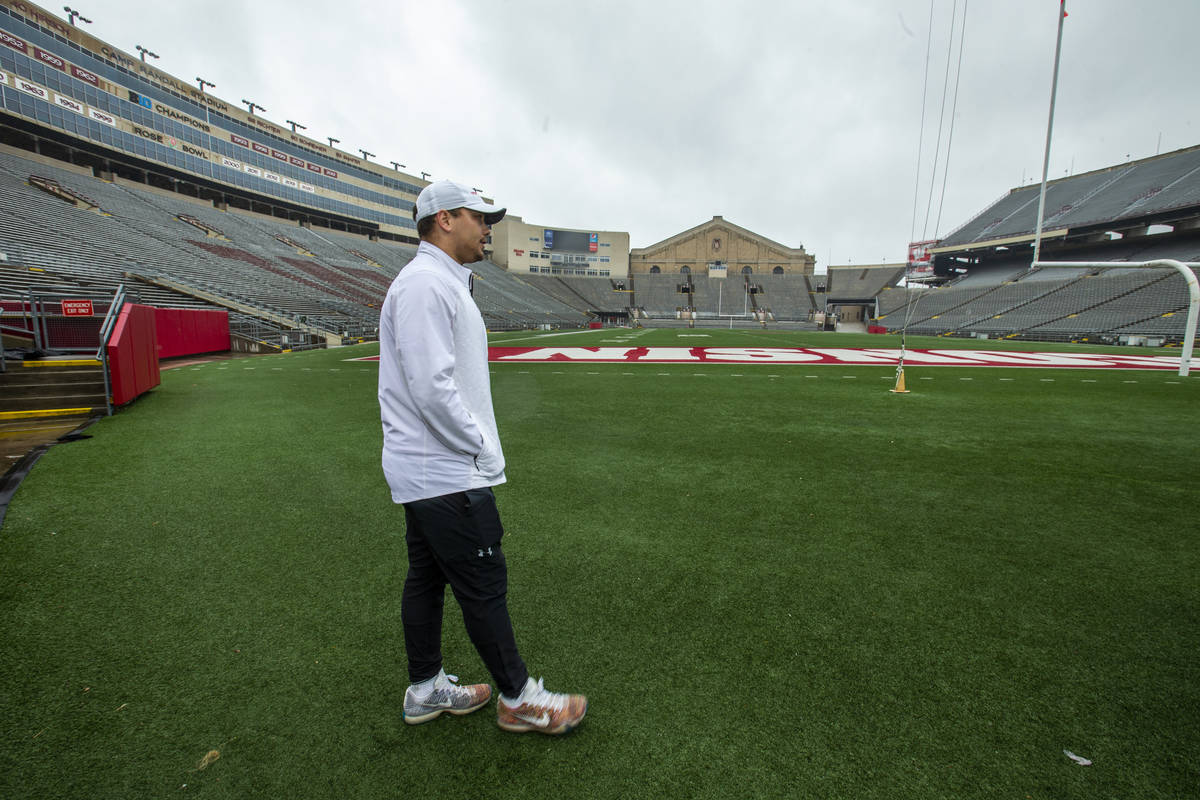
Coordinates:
[747,271]
[685,270]
[777,271]
[655,270]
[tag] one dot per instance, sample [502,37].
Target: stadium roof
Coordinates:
[1138,192]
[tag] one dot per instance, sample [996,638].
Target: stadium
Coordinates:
[816,587]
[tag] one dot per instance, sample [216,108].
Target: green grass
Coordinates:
[768,584]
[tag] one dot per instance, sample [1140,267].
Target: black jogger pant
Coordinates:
[455,539]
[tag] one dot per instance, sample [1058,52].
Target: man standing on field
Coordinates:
[441,456]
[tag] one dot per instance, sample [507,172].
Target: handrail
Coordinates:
[106,329]
[1184,268]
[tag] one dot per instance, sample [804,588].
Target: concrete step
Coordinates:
[52,402]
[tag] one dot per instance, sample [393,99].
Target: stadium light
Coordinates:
[332,141]
[366,155]
[251,105]
[398,166]
[296,125]
[145,52]
[72,14]
[202,83]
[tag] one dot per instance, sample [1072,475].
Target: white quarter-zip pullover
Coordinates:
[435,397]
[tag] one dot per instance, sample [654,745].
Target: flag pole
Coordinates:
[1037,239]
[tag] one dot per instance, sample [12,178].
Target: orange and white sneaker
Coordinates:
[541,711]
[446,695]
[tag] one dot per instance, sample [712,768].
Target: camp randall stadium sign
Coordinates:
[779,356]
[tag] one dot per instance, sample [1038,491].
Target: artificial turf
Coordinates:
[770,582]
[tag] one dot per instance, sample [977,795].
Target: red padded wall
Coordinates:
[133,354]
[185,331]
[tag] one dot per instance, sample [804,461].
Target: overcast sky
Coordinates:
[797,119]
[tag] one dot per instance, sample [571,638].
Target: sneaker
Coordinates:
[542,711]
[446,695]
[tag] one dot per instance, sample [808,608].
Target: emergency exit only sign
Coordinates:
[77,308]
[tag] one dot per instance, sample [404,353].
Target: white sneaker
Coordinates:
[446,695]
[542,711]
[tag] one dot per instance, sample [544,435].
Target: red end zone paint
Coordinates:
[779,356]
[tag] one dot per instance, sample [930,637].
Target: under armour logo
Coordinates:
[483,552]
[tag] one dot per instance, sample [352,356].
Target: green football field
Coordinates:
[770,581]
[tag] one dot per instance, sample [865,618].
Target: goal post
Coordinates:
[1183,268]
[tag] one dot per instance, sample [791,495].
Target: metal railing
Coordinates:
[106,329]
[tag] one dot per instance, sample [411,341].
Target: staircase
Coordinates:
[51,388]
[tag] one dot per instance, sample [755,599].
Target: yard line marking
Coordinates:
[850,377]
[926,379]
[772,376]
[811,376]
[1128,381]
[1088,380]
[1008,379]
[966,379]
[1046,380]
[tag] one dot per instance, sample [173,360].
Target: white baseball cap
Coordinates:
[447,195]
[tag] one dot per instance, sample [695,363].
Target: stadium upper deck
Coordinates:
[58,80]
[1124,199]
